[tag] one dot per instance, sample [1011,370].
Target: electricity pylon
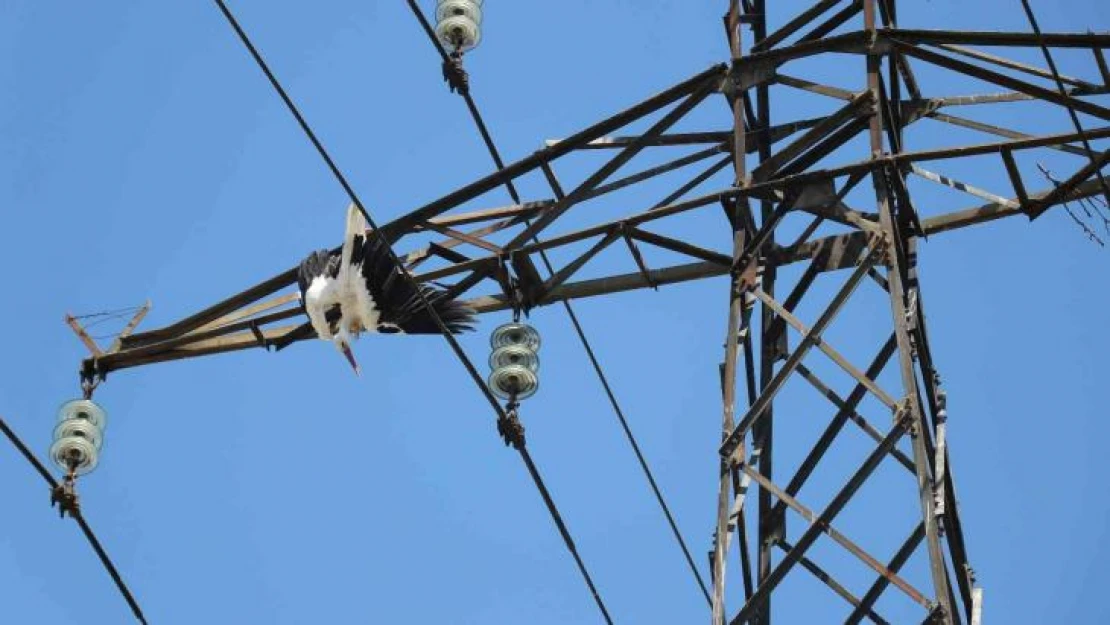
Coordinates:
[830,191]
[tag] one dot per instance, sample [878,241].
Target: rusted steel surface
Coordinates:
[1003,80]
[775,385]
[728,367]
[1014,65]
[1038,206]
[87,340]
[792,26]
[682,247]
[836,252]
[402,225]
[881,583]
[822,345]
[899,300]
[253,294]
[809,464]
[993,210]
[850,411]
[250,311]
[837,537]
[130,327]
[762,593]
[831,582]
[697,93]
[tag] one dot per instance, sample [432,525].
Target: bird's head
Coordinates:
[342,342]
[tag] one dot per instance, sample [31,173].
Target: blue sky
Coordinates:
[142,155]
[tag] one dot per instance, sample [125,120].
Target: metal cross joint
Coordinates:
[942,407]
[458,81]
[517,298]
[911,306]
[510,428]
[903,415]
[879,242]
[510,288]
[91,374]
[936,614]
[969,573]
[64,495]
[88,386]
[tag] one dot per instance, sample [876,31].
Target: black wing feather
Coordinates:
[398,300]
[319,263]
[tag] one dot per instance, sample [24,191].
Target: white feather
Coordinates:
[356,226]
[318,298]
[358,311]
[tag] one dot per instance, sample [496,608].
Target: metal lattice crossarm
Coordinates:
[252,318]
[780,193]
[248,319]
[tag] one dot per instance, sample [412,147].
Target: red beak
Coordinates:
[350,358]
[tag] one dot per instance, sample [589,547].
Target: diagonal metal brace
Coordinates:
[757,409]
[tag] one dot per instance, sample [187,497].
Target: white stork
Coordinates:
[360,289]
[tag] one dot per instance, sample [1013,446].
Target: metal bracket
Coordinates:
[633,249]
[458,81]
[904,416]
[510,428]
[64,495]
[940,462]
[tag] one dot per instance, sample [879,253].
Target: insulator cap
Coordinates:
[514,381]
[80,428]
[75,453]
[514,355]
[515,334]
[459,32]
[84,410]
[450,8]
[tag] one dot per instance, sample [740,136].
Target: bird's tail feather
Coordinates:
[457,316]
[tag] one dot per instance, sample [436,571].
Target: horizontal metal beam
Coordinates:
[402,225]
[191,340]
[253,294]
[671,139]
[993,38]
[951,183]
[1037,206]
[836,250]
[994,210]
[217,345]
[999,131]
[1003,80]
[1014,65]
[696,94]
[610,284]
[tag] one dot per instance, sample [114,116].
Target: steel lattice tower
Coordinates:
[797,202]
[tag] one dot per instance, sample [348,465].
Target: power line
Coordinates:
[496,156]
[80,518]
[119,312]
[455,347]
